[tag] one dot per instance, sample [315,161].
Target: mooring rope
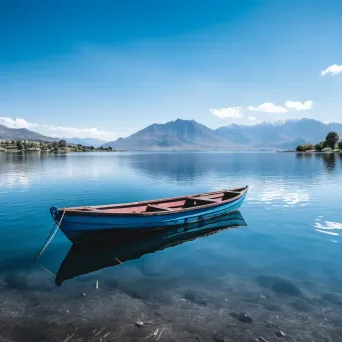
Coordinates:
[50,237]
[47,270]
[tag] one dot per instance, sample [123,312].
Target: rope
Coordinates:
[50,237]
[47,270]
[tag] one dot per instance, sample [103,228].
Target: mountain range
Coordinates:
[7,133]
[86,141]
[191,135]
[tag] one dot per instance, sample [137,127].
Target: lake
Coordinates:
[276,277]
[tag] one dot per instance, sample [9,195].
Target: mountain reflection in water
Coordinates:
[119,247]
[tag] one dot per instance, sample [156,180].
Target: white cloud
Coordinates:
[16,123]
[333,70]
[297,105]
[61,131]
[229,112]
[267,107]
[252,118]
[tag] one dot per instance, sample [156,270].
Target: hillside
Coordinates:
[85,141]
[190,135]
[22,133]
[178,135]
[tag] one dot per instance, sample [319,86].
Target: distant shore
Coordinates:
[310,152]
[44,146]
[56,151]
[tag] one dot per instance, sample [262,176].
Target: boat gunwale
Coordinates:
[76,211]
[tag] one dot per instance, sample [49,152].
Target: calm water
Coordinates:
[283,268]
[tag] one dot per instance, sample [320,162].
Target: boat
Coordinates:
[91,222]
[119,247]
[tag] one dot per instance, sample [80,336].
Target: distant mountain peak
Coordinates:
[189,134]
[276,122]
[22,133]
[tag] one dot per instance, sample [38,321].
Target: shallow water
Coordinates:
[283,269]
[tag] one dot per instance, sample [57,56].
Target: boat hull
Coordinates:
[82,227]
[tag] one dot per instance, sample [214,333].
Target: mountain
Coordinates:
[190,135]
[85,141]
[280,134]
[25,134]
[22,133]
[174,135]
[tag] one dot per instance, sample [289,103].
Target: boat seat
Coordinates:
[199,200]
[209,200]
[154,207]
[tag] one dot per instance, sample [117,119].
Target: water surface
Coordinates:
[283,269]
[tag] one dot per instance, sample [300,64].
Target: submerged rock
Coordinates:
[280,333]
[279,286]
[244,318]
[139,323]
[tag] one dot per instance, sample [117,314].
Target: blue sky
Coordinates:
[108,68]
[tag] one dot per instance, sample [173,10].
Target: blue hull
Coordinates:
[81,227]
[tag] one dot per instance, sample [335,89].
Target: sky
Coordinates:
[106,69]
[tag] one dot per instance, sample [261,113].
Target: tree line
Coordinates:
[54,146]
[331,143]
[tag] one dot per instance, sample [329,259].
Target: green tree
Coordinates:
[62,144]
[340,145]
[332,139]
[20,145]
[319,147]
[303,148]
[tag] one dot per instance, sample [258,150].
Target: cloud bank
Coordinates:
[267,107]
[297,105]
[229,112]
[332,70]
[61,131]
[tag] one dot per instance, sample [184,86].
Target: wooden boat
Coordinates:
[117,248]
[84,223]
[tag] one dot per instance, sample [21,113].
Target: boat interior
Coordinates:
[165,205]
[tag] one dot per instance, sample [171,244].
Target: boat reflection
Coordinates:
[119,247]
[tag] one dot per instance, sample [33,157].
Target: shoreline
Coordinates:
[309,152]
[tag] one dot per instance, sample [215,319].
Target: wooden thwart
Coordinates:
[154,207]
[204,199]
